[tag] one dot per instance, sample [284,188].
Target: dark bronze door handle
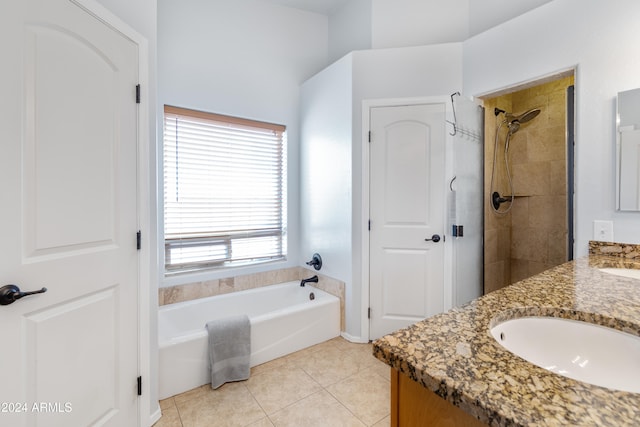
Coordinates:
[435,239]
[11,293]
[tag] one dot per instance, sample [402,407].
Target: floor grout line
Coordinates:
[339,349]
[178,411]
[261,407]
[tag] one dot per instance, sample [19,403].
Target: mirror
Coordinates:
[628,151]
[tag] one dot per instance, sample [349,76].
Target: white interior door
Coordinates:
[68,217]
[407,164]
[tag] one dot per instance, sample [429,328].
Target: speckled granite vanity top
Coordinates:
[454,355]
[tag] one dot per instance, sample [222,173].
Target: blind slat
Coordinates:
[224,190]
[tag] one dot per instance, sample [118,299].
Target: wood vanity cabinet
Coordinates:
[414,405]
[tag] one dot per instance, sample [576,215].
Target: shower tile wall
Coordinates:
[532,237]
[497,228]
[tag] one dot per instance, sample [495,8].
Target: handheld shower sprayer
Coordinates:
[513,123]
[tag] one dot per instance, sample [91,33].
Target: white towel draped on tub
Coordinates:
[229,349]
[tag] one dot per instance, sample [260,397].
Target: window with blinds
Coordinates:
[224,191]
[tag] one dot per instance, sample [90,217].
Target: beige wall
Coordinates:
[532,236]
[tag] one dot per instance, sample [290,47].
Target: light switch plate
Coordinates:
[603,231]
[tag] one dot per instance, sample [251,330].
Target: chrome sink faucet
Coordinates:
[313,279]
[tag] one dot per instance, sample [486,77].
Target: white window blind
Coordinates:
[224,190]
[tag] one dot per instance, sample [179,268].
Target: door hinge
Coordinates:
[139,386]
[137,94]
[139,240]
[369,225]
[369,313]
[369,136]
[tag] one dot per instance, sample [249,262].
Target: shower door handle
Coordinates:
[435,239]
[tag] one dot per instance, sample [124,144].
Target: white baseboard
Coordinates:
[354,339]
[155,417]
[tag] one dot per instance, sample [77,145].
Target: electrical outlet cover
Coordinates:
[603,231]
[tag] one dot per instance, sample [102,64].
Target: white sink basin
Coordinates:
[579,350]
[625,272]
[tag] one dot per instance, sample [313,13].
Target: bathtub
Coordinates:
[284,318]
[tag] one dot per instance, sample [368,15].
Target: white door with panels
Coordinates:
[406,254]
[68,217]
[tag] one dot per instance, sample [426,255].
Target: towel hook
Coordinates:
[455,120]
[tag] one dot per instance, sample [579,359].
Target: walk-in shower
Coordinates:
[512,123]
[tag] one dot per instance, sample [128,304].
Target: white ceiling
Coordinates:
[325,7]
[483,14]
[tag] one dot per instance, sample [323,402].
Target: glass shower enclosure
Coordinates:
[465,198]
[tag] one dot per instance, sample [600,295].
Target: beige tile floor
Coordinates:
[335,383]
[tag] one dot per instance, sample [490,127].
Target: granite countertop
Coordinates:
[454,355]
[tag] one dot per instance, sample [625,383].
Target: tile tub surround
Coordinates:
[454,355]
[196,290]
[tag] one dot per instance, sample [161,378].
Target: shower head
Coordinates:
[514,122]
[524,117]
[528,115]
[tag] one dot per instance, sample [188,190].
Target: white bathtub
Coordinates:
[283,319]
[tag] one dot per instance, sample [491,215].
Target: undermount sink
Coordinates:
[583,351]
[625,272]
